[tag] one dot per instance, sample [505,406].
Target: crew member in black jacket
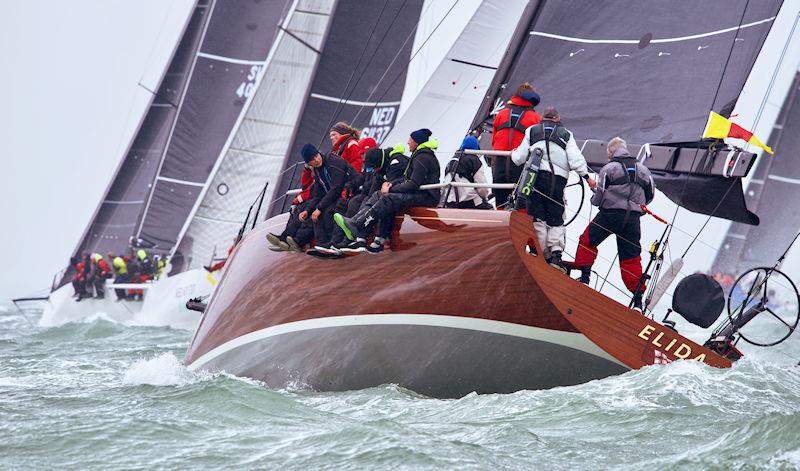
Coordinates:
[380,166]
[422,169]
[331,173]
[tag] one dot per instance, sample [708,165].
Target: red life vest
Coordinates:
[511,122]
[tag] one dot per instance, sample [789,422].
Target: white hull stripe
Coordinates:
[567,339]
[229,60]
[180,182]
[654,41]
[354,102]
[794,181]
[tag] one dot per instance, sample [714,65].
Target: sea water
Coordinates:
[100,395]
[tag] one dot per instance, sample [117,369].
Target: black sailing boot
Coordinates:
[586,272]
[555,261]
[637,302]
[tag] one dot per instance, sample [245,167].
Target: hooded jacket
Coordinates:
[529,118]
[466,168]
[329,181]
[422,169]
[623,183]
[563,159]
[350,150]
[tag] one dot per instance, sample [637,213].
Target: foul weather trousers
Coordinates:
[302,232]
[323,228]
[546,205]
[504,171]
[626,227]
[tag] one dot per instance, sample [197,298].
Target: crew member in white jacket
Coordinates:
[560,155]
[466,168]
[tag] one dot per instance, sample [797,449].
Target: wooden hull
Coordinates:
[456,306]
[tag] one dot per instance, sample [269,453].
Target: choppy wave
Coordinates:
[98,394]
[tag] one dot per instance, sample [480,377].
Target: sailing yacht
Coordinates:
[221,55]
[439,317]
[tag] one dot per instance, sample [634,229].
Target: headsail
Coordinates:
[256,150]
[359,77]
[115,218]
[653,81]
[235,44]
[450,97]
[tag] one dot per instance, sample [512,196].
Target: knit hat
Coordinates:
[550,113]
[308,152]
[470,142]
[373,159]
[531,96]
[421,135]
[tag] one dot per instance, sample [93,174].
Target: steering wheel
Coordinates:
[580,205]
[759,285]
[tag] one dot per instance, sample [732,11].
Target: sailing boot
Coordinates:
[293,245]
[637,302]
[555,261]
[377,245]
[586,272]
[358,245]
[354,227]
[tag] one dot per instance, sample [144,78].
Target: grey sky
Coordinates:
[69,104]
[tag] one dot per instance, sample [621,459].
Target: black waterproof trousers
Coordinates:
[302,232]
[504,171]
[547,202]
[323,228]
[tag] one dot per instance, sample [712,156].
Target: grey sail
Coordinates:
[669,65]
[775,181]
[359,78]
[235,42]
[115,219]
[255,150]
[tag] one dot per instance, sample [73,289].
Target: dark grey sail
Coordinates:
[775,181]
[360,77]
[115,219]
[234,46]
[647,71]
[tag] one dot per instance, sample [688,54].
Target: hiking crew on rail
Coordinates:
[341,204]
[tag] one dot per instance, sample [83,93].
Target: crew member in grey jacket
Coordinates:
[623,186]
[560,155]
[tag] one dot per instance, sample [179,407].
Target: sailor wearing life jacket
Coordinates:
[466,168]
[344,139]
[560,154]
[422,169]
[623,185]
[508,130]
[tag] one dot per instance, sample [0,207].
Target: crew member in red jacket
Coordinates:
[508,130]
[344,139]
[297,233]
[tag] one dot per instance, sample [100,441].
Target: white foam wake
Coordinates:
[161,370]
